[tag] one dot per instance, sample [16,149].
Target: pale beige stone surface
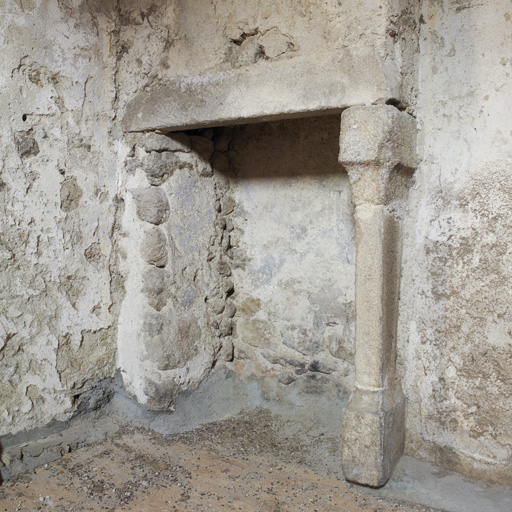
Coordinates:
[232,62]
[374,143]
[377,281]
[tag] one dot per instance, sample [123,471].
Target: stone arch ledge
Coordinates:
[265,91]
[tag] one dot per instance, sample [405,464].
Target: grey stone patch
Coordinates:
[225,327]
[93,253]
[220,223]
[223,138]
[159,142]
[320,367]
[170,341]
[21,458]
[156,287]
[77,365]
[273,358]
[228,205]
[161,395]
[203,146]
[250,306]
[294,362]
[204,169]
[218,306]
[188,298]
[229,225]
[152,204]
[242,353]
[337,348]
[246,53]
[301,340]
[230,309]
[228,286]
[26,144]
[424,483]
[160,166]
[153,248]
[226,242]
[132,164]
[220,162]
[256,332]
[313,384]
[286,378]
[223,268]
[227,351]
[222,182]
[274,44]
[70,194]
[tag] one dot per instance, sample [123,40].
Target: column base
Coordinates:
[373,435]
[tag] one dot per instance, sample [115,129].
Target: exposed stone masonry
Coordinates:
[183,212]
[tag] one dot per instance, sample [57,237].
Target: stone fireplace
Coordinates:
[270,256]
[245,239]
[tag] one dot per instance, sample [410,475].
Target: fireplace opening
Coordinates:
[250,266]
[293,253]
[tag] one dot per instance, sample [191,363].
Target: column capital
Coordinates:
[377,148]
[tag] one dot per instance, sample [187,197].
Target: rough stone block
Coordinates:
[373,436]
[156,287]
[152,204]
[159,142]
[377,134]
[154,248]
[160,166]
[170,342]
[26,144]
[203,146]
[377,147]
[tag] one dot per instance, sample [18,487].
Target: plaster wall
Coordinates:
[58,285]
[455,344]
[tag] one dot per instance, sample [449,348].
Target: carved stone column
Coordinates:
[377,147]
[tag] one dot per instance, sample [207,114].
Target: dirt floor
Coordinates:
[253,462]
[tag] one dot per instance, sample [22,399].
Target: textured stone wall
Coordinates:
[201,37]
[58,286]
[237,244]
[176,318]
[455,323]
[205,63]
[293,251]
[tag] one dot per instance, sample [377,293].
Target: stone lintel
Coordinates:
[297,87]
